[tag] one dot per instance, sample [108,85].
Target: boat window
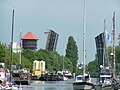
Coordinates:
[79,78]
[1,66]
[108,77]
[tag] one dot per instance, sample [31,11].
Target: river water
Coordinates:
[49,85]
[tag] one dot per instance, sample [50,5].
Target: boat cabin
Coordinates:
[104,78]
[79,78]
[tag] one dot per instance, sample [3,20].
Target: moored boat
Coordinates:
[107,76]
[83,83]
[6,77]
[5,84]
[83,86]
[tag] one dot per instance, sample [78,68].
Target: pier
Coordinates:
[19,81]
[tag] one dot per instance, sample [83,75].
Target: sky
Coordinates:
[65,17]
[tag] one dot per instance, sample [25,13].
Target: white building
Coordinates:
[16,47]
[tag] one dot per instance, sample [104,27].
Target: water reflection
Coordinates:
[40,85]
[52,85]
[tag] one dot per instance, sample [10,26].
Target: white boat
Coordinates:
[9,88]
[109,83]
[107,77]
[83,82]
[113,81]
[6,84]
[79,78]
[83,86]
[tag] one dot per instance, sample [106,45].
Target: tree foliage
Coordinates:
[2,52]
[92,67]
[53,60]
[72,52]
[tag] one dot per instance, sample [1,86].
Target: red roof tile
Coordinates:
[29,35]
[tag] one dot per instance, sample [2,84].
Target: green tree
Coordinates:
[92,67]
[30,54]
[2,52]
[119,39]
[72,52]
[53,60]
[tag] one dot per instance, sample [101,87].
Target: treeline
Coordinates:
[53,60]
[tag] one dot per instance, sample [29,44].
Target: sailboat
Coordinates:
[9,84]
[107,77]
[114,83]
[105,73]
[83,81]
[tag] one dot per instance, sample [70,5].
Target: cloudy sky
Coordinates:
[63,16]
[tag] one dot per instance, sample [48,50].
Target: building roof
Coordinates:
[29,35]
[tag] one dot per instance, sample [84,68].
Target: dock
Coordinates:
[51,77]
[19,81]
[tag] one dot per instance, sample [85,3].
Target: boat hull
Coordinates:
[108,87]
[111,87]
[83,86]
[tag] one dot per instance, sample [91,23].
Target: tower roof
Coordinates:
[29,35]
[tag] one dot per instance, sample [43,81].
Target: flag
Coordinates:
[108,38]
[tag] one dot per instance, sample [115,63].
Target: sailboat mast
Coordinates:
[11,45]
[113,42]
[63,64]
[20,47]
[104,46]
[84,37]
